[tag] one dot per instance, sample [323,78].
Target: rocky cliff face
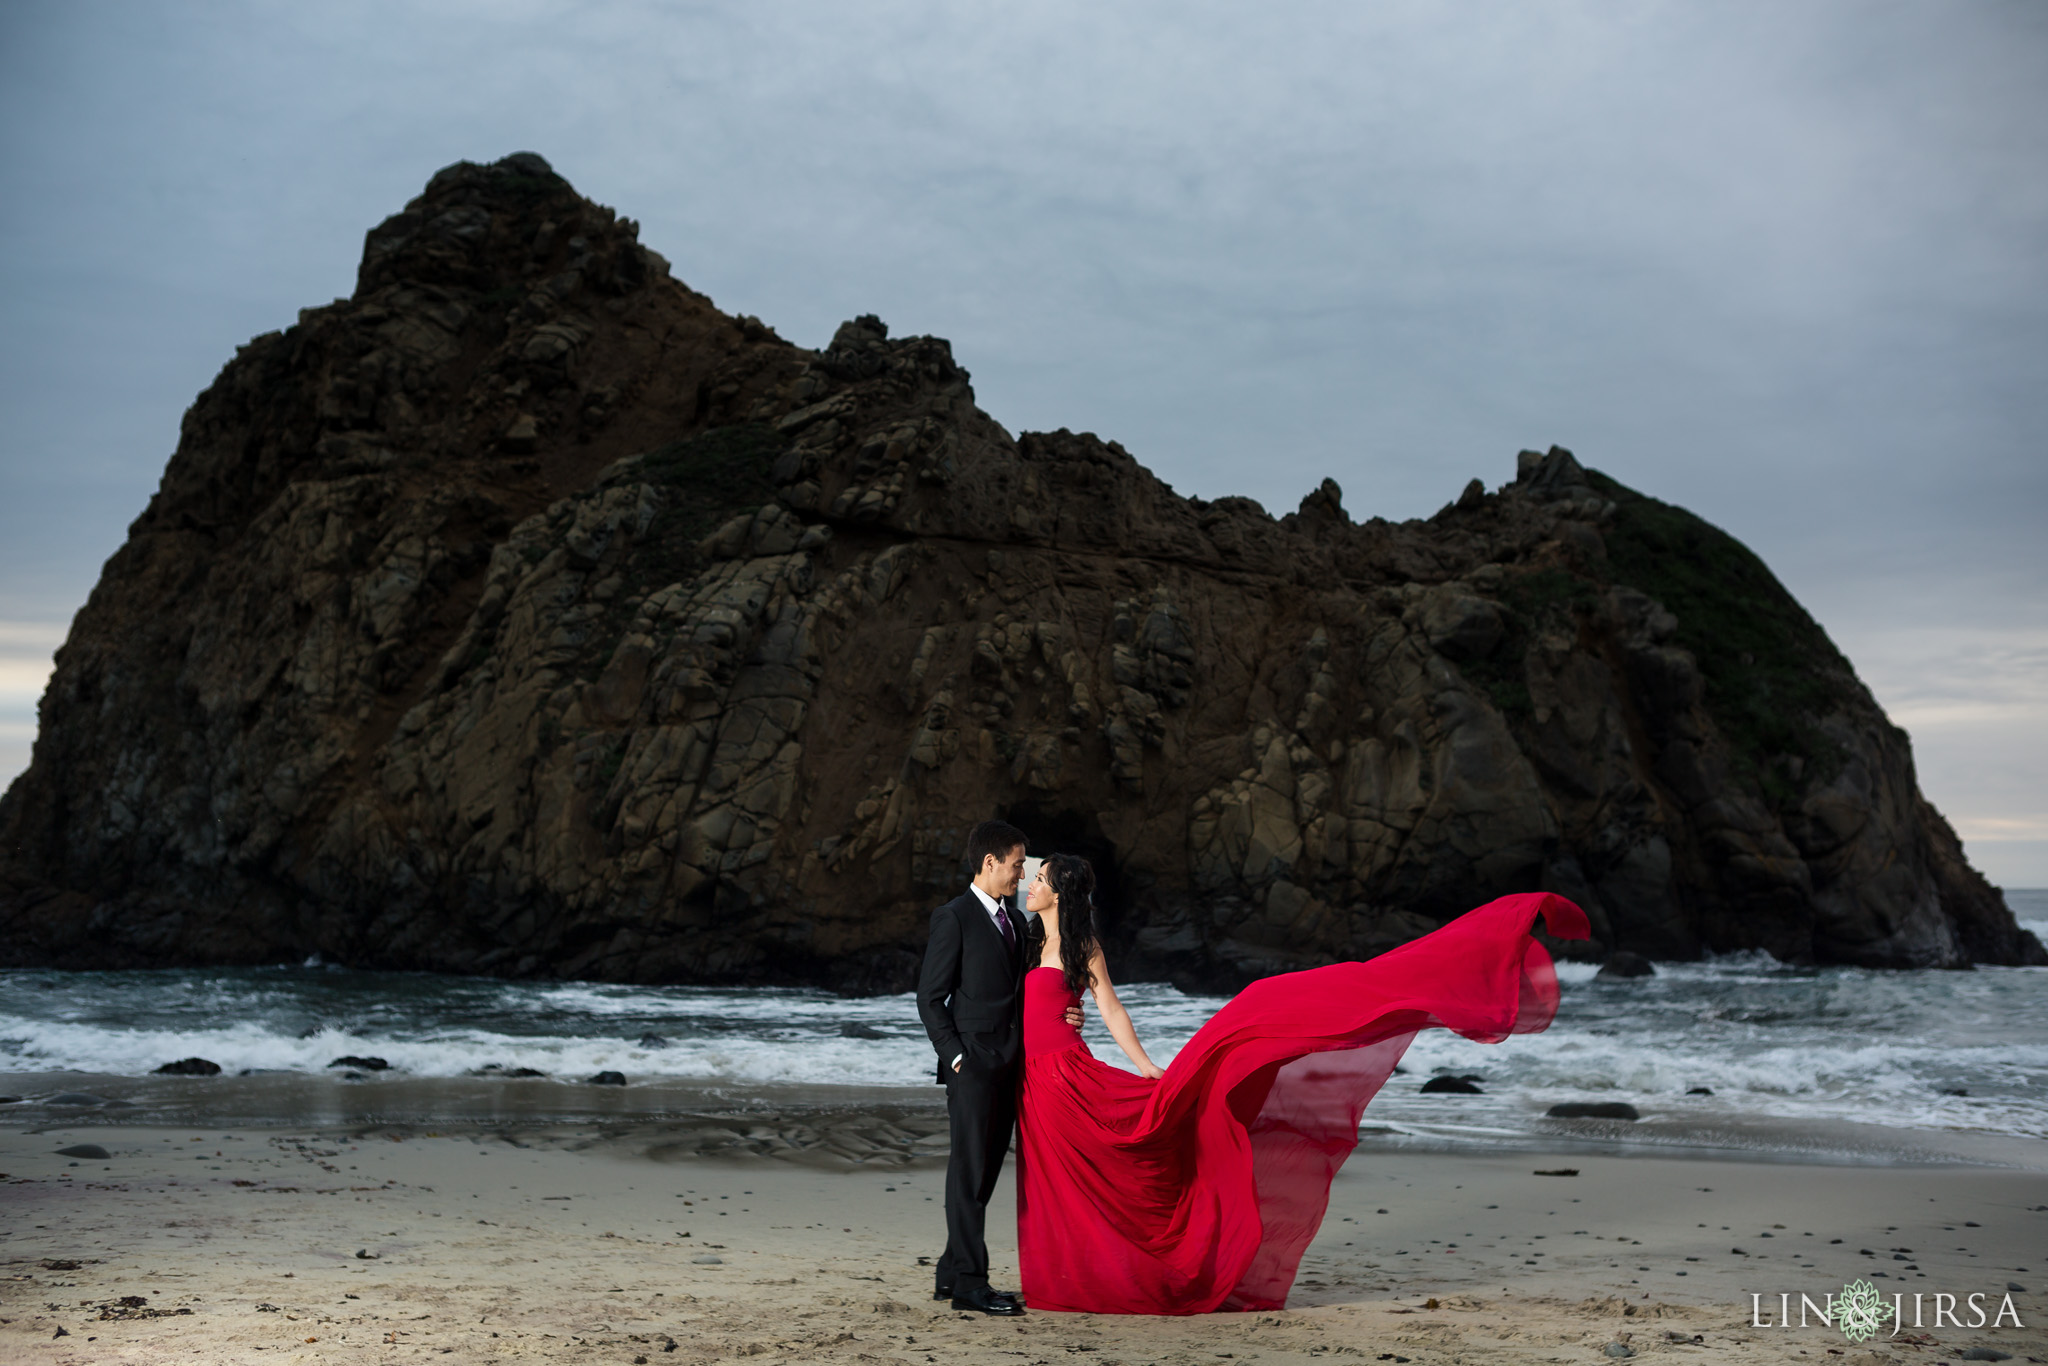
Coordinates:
[524,614]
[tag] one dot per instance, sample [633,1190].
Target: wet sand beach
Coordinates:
[797,1236]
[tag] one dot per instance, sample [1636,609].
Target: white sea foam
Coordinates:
[1766,1039]
[27,1045]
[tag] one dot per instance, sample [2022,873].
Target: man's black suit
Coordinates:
[970,996]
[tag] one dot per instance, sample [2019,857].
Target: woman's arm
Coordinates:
[1119,1020]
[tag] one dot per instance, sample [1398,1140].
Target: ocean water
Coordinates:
[1962,1052]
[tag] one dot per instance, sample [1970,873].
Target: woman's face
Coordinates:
[1038,897]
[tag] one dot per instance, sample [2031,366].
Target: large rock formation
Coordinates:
[524,614]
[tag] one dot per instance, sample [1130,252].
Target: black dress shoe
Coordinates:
[946,1293]
[986,1301]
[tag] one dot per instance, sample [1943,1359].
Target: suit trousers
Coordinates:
[981,1108]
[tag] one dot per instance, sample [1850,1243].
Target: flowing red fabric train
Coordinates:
[1201,1191]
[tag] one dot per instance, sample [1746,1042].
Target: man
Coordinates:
[970,996]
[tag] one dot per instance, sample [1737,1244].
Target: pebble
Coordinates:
[708,1259]
[91,1150]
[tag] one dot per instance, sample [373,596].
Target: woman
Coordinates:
[1198,1186]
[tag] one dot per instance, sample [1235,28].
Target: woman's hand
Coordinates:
[1074,1016]
[1150,1070]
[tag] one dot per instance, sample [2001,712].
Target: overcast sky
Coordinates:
[1786,265]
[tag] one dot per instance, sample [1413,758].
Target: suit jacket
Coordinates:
[970,990]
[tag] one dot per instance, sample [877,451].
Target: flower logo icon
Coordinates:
[1860,1311]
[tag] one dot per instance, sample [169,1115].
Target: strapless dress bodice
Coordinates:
[1046,999]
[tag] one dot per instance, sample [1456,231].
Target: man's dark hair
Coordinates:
[990,837]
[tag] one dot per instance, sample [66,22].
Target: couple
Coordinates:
[1195,1187]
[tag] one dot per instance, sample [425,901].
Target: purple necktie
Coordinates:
[1003,924]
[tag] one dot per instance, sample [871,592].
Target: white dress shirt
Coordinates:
[988,903]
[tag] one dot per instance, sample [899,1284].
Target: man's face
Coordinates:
[1008,871]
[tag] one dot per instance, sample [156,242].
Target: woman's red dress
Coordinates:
[1201,1190]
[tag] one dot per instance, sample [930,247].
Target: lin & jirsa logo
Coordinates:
[1861,1311]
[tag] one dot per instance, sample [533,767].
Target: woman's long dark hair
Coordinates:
[1072,881]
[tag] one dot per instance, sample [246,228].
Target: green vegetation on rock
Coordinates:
[720,473]
[709,478]
[1771,672]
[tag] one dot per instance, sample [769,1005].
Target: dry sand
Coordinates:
[631,1242]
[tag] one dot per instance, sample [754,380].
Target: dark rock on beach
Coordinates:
[1699,1090]
[364,1064]
[189,1067]
[1622,963]
[92,1151]
[495,1069]
[524,614]
[1454,1086]
[609,1079]
[854,1029]
[652,1041]
[1593,1109]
